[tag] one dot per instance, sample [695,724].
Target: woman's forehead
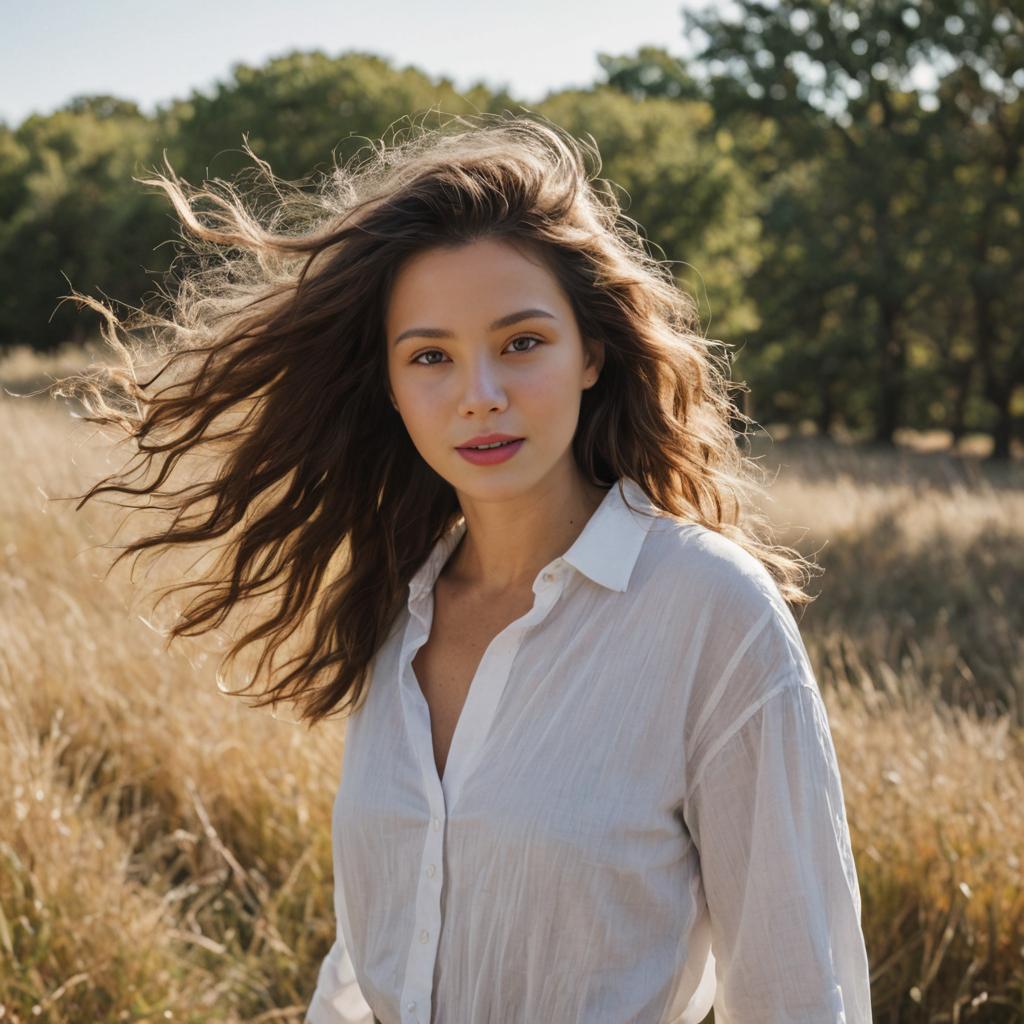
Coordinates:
[474,279]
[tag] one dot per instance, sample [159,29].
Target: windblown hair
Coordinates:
[274,352]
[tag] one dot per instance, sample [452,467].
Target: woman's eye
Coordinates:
[525,337]
[433,351]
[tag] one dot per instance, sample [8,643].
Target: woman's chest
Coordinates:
[446,665]
[570,726]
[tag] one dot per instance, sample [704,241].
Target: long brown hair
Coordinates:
[273,349]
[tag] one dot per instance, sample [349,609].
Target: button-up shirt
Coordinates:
[640,815]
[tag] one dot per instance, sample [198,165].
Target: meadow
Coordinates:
[165,848]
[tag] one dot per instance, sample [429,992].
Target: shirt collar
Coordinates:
[605,551]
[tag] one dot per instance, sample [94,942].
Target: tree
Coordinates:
[983,132]
[852,71]
[72,209]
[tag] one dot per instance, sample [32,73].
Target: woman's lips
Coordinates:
[490,456]
[487,439]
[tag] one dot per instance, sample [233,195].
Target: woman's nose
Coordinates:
[482,387]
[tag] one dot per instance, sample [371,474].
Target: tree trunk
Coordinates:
[962,377]
[1002,432]
[891,385]
[826,408]
[999,382]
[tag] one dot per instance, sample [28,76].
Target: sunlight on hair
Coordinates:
[258,383]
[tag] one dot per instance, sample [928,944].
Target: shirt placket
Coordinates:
[467,744]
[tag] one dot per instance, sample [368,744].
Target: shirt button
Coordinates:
[410,1006]
[430,871]
[437,824]
[424,935]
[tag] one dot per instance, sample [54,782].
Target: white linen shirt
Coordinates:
[641,813]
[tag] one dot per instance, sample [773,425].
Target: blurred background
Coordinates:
[840,187]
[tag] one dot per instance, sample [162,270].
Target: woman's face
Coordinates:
[459,367]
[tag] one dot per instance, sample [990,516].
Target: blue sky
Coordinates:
[55,49]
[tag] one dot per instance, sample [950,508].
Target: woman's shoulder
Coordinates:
[735,638]
[687,557]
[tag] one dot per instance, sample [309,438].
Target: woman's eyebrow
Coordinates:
[502,321]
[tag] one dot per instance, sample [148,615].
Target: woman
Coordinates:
[588,774]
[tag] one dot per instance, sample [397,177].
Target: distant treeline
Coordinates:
[839,185]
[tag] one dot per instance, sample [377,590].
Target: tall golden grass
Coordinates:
[165,848]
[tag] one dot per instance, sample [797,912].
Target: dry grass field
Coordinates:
[165,848]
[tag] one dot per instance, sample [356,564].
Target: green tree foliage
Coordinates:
[70,206]
[651,71]
[295,110]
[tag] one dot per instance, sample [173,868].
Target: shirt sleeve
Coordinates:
[337,998]
[767,816]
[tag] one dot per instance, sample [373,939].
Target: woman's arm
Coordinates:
[767,815]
